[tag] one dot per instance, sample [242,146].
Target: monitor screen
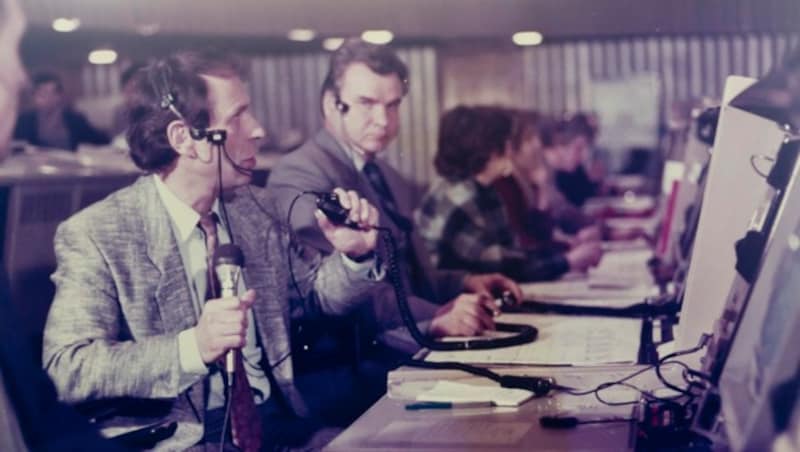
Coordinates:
[763,356]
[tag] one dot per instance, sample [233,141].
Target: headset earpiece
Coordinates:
[342,107]
[216,137]
[197,134]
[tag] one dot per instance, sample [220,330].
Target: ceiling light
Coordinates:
[102,56]
[301,35]
[66,25]
[332,43]
[527,38]
[377,36]
[147,29]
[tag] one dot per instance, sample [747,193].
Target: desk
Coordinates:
[389,426]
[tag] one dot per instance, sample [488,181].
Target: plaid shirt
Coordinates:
[465,226]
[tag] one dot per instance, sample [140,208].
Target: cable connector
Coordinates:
[540,386]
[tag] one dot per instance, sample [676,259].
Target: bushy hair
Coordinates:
[468,137]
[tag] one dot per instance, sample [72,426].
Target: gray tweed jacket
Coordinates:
[122,297]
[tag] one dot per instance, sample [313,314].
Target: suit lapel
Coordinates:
[172,290]
[261,274]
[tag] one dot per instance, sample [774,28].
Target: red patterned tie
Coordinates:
[245,421]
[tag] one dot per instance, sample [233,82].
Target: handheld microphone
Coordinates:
[228,263]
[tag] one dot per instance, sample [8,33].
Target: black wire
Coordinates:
[293,241]
[523,333]
[226,418]
[228,385]
[221,150]
[668,359]
[755,168]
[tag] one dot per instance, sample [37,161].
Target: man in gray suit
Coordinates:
[360,101]
[131,327]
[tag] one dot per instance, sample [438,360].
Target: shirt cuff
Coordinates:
[192,366]
[370,268]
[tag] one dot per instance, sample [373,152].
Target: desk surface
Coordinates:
[389,426]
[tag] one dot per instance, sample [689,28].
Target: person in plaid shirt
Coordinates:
[462,218]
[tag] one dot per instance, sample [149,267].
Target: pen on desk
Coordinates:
[446,405]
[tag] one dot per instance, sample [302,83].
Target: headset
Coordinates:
[160,79]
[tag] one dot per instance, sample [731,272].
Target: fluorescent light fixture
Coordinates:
[301,35]
[102,56]
[66,25]
[377,36]
[332,44]
[527,38]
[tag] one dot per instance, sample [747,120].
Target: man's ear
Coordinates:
[180,140]
[329,104]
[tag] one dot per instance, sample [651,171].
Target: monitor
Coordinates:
[732,193]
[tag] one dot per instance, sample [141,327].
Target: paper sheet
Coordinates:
[448,391]
[601,291]
[562,340]
[621,279]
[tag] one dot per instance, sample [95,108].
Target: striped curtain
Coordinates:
[558,77]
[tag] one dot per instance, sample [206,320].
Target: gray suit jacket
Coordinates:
[322,165]
[122,297]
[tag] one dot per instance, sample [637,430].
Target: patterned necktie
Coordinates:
[421,284]
[245,421]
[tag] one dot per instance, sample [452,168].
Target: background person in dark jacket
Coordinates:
[52,123]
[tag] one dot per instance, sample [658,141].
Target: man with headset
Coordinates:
[137,326]
[360,99]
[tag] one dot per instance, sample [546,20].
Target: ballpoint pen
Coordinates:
[446,405]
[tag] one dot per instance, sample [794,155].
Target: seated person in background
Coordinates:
[52,123]
[137,324]
[571,177]
[528,194]
[569,218]
[462,218]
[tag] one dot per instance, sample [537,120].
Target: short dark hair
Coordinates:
[181,73]
[380,59]
[551,132]
[44,78]
[468,137]
[579,125]
[526,124]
